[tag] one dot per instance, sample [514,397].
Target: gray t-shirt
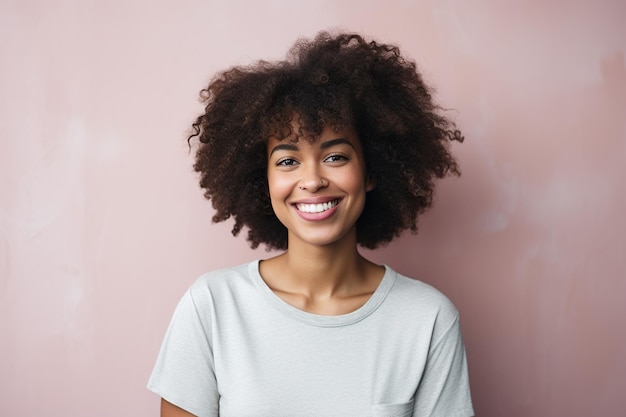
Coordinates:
[235,349]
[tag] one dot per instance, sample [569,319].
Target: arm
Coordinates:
[183,373]
[170,410]
[444,388]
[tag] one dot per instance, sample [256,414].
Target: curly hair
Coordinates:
[340,81]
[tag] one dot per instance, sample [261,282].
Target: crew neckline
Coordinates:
[319,320]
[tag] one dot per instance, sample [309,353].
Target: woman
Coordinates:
[337,146]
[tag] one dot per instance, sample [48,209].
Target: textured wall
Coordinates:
[102,226]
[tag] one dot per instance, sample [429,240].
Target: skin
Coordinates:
[170,410]
[321,272]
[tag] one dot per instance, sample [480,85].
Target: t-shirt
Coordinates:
[236,349]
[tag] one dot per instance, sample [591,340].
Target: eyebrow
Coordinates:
[324,145]
[284,146]
[335,142]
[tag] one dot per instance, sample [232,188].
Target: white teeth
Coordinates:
[317,208]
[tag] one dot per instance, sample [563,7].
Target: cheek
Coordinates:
[354,182]
[279,187]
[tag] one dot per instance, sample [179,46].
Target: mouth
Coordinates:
[317,208]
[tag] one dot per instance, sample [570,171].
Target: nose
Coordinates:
[312,180]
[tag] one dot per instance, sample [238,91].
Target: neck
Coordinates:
[324,270]
[323,279]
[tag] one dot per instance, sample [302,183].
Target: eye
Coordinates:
[335,158]
[286,162]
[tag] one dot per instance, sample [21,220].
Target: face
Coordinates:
[318,188]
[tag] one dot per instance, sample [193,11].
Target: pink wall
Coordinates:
[102,226]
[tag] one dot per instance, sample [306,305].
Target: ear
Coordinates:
[370,183]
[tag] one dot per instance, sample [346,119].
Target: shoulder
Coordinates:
[419,299]
[224,277]
[222,285]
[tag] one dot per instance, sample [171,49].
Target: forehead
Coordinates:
[329,136]
[295,132]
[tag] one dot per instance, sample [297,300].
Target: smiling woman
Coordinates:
[335,147]
[317,188]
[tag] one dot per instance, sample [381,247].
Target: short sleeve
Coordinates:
[184,372]
[444,389]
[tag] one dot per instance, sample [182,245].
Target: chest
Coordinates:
[291,369]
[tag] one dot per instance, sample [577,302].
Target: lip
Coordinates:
[323,215]
[316,200]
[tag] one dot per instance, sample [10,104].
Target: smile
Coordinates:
[317,208]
